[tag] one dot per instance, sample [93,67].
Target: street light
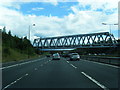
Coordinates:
[29,31]
[109,25]
[29,36]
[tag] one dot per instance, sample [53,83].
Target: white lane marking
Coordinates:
[46,62]
[96,82]
[35,68]
[67,61]
[9,66]
[102,64]
[15,81]
[20,64]
[73,66]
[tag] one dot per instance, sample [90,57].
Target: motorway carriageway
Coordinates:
[47,73]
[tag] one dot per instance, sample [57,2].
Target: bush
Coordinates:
[6,51]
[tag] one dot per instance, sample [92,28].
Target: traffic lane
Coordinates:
[55,74]
[11,74]
[109,76]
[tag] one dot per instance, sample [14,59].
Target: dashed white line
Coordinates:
[73,66]
[67,61]
[14,81]
[36,69]
[45,63]
[96,82]
[20,64]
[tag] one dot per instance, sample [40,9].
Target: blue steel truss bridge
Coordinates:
[93,40]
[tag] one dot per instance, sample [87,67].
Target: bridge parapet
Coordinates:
[104,39]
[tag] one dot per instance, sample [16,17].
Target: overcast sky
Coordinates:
[55,18]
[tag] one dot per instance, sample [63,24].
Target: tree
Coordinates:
[6,51]
[0,30]
[9,33]
[21,45]
[4,29]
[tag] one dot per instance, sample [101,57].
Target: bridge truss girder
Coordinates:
[82,40]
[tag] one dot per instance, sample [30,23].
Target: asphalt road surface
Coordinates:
[47,73]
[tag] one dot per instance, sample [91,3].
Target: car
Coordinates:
[56,56]
[48,55]
[74,56]
[65,55]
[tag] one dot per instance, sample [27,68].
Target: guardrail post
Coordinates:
[109,61]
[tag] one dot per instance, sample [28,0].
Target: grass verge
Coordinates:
[14,55]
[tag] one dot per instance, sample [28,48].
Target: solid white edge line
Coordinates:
[96,82]
[101,63]
[9,66]
[14,82]
[19,64]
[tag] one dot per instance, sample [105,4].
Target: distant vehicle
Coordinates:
[65,55]
[95,54]
[56,56]
[48,55]
[74,56]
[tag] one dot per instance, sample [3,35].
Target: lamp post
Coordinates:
[109,25]
[29,30]
[29,35]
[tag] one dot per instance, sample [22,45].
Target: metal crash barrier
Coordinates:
[107,60]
